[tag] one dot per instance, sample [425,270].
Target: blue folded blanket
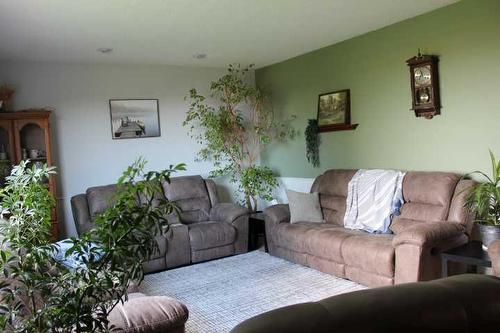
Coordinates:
[75,260]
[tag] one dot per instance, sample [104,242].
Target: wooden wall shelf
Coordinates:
[339,127]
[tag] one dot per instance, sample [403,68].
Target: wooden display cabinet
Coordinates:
[26,135]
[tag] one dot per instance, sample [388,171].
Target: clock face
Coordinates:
[422,75]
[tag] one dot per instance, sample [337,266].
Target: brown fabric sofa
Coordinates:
[206,229]
[433,218]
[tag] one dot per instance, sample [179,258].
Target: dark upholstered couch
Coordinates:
[433,218]
[206,229]
[462,303]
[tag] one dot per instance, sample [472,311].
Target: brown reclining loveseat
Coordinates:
[206,229]
[433,218]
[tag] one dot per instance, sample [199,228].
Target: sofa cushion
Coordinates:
[304,207]
[399,224]
[458,208]
[210,234]
[212,253]
[296,236]
[370,252]
[149,314]
[99,197]
[427,195]
[191,194]
[327,243]
[332,189]
[333,208]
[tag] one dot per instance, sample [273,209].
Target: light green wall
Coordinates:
[465,35]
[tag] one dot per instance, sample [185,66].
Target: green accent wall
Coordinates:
[466,37]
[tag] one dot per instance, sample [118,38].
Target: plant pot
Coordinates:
[488,233]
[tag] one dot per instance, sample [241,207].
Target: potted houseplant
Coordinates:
[312,142]
[39,292]
[235,130]
[484,201]
[6,94]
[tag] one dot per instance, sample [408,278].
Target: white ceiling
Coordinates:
[171,31]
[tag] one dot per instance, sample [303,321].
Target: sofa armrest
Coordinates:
[494,252]
[227,212]
[172,229]
[274,216]
[81,213]
[429,234]
[178,246]
[277,214]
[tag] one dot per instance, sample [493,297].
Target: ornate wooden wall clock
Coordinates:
[424,85]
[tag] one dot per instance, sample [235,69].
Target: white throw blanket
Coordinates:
[373,197]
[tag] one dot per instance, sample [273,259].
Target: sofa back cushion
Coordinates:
[332,189]
[458,210]
[427,195]
[400,224]
[190,193]
[98,198]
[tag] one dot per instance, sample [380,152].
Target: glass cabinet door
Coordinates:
[7,151]
[32,141]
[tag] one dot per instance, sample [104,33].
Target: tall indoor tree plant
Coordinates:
[40,294]
[235,131]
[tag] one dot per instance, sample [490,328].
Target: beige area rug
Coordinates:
[222,293]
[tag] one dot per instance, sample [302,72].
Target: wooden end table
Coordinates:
[471,254]
[256,229]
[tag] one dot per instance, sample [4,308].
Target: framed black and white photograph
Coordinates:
[134,118]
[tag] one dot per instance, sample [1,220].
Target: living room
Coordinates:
[324,93]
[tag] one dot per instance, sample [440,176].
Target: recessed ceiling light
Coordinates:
[105,50]
[199,56]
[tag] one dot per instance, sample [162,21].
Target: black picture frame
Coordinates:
[143,118]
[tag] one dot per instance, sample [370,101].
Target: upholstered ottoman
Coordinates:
[149,314]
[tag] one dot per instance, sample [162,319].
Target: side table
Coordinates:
[256,229]
[471,254]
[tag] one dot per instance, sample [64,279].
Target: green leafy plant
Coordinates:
[257,181]
[27,202]
[484,198]
[234,132]
[39,294]
[312,142]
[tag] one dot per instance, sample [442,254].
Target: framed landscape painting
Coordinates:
[134,118]
[334,110]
